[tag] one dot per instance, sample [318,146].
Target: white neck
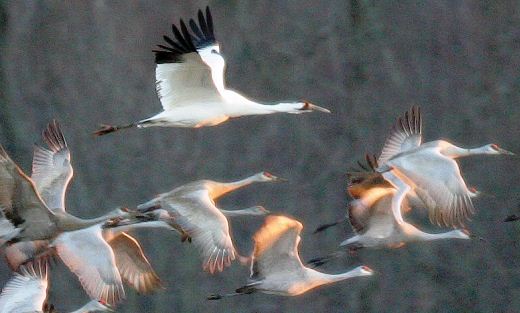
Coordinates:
[457,152]
[428,237]
[114,231]
[243,212]
[323,278]
[240,106]
[217,189]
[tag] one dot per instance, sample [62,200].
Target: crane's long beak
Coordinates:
[278,179]
[504,151]
[312,107]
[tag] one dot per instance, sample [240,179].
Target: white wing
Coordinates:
[51,169]
[406,135]
[198,216]
[184,68]
[89,256]
[276,248]
[26,291]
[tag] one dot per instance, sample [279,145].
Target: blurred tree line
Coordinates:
[90,62]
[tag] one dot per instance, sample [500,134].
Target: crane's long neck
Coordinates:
[70,222]
[219,189]
[447,235]
[243,212]
[457,152]
[323,278]
[114,231]
[240,106]
[412,231]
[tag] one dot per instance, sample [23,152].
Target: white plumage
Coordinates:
[277,268]
[429,171]
[192,209]
[190,83]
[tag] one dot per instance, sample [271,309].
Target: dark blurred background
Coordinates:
[90,62]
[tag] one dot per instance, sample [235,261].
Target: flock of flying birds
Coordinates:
[190,83]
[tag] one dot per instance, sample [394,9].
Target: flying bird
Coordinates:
[428,171]
[51,173]
[27,292]
[78,242]
[191,86]
[277,268]
[371,217]
[192,207]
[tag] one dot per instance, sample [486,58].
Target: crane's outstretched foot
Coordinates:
[185,237]
[326,226]
[512,218]
[214,297]
[107,129]
[317,262]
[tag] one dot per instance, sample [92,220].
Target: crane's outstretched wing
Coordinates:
[26,291]
[89,256]
[406,135]
[208,228]
[276,247]
[133,265]
[21,203]
[190,68]
[442,189]
[51,169]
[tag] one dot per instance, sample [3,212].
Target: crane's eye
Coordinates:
[214,51]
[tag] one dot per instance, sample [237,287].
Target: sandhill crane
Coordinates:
[190,83]
[371,217]
[429,171]
[192,207]
[27,291]
[51,173]
[23,206]
[277,268]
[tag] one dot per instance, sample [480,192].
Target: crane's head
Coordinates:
[307,106]
[258,210]
[268,177]
[364,271]
[495,149]
[461,234]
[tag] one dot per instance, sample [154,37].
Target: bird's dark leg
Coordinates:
[326,226]
[107,129]
[240,291]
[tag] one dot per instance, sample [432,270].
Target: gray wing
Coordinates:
[52,169]
[89,256]
[439,184]
[21,202]
[133,265]
[406,135]
[198,216]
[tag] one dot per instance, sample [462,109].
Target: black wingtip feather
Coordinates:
[184,41]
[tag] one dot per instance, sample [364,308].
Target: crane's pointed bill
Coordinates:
[312,107]
[504,151]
